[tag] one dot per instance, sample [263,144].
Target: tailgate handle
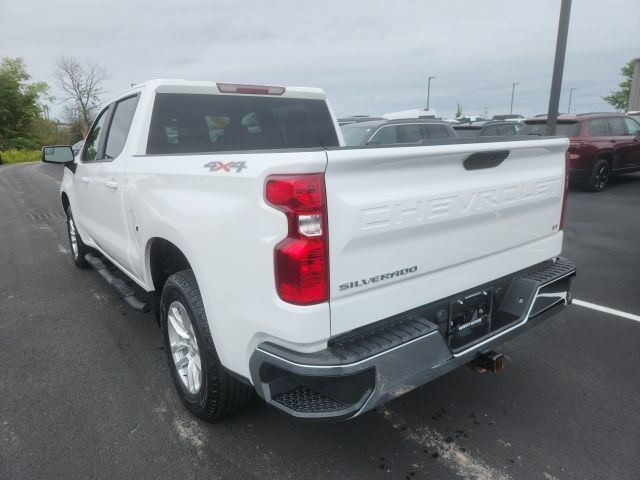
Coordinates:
[479,160]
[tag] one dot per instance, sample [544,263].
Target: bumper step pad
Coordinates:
[306,400]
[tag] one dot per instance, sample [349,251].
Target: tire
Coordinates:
[78,248]
[599,177]
[210,393]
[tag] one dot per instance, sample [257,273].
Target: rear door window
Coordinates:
[617,126]
[599,127]
[490,131]
[193,123]
[436,131]
[507,129]
[409,133]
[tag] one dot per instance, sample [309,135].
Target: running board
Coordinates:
[119,285]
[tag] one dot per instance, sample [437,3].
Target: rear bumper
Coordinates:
[357,373]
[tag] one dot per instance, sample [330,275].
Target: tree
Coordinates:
[620,98]
[20,105]
[83,86]
[458,111]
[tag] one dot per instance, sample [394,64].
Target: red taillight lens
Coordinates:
[301,259]
[565,194]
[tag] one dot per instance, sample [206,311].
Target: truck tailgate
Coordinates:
[411,225]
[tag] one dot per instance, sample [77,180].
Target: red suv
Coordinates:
[602,144]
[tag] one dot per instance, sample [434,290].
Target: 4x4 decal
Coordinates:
[226,167]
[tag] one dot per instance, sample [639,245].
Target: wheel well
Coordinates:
[165,259]
[608,156]
[65,202]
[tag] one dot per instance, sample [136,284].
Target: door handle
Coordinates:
[85,180]
[613,140]
[111,184]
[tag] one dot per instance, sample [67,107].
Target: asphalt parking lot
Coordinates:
[85,391]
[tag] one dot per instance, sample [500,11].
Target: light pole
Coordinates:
[513,89]
[570,95]
[558,67]
[428,91]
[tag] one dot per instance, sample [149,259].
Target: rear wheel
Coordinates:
[204,386]
[78,248]
[599,177]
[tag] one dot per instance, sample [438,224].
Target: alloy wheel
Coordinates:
[184,347]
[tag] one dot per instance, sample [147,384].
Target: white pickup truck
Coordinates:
[328,279]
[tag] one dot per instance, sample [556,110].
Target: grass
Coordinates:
[14,155]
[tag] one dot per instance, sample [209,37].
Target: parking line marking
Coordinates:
[611,311]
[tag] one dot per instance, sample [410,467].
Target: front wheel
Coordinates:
[204,386]
[78,248]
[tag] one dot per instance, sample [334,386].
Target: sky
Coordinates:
[371,57]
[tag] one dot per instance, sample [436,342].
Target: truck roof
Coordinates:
[169,85]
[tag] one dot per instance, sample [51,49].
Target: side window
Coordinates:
[410,133]
[436,131]
[599,127]
[507,129]
[633,127]
[94,138]
[385,136]
[617,126]
[119,128]
[490,131]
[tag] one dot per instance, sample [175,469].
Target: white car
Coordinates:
[328,279]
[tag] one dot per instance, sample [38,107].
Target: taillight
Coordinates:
[301,259]
[565,194]
[576,143]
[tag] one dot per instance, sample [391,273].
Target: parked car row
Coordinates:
[602,144]
[391,132]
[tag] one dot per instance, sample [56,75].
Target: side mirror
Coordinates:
[61,154]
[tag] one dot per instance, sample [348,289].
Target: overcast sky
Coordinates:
[371,57]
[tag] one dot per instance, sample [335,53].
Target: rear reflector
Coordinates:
[576,143]
[301,266]
[250,89]
[567,168]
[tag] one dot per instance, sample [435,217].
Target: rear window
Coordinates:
[467,132]
[567,129]
[354,135]
[385,136]
[193,123]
